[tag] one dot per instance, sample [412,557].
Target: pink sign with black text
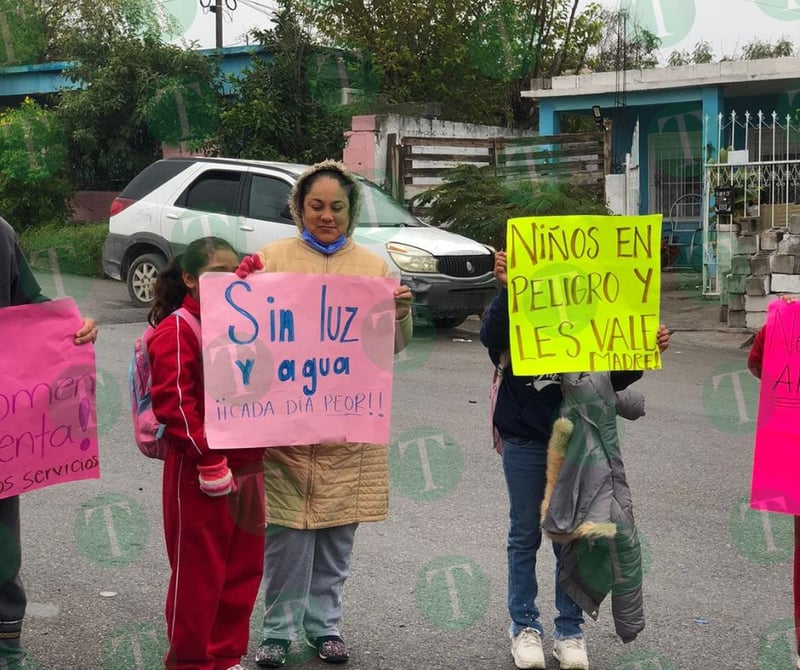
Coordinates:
[293,359]
[48,420]
[776,461]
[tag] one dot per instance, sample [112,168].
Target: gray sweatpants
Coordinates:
[12,593]
[304,574]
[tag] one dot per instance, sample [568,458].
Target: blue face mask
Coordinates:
[326,249]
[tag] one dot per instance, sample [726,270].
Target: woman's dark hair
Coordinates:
[330,169]
[344,182]
[169,289]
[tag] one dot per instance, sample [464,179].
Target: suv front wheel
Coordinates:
[142,274]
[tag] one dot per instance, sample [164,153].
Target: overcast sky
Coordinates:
[726,24]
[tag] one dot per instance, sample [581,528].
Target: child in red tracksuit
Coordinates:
[213,500]
[755,361]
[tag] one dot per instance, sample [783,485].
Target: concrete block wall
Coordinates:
[774,271]
[748,278]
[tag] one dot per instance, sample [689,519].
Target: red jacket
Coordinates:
[176,369]
[756,357]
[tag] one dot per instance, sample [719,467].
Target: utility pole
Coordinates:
[218,17]
[216,7]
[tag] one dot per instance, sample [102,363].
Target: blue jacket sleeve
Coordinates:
[494,327]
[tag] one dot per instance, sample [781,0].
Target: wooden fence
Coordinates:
[416,164]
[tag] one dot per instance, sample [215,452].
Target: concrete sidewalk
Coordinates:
[695,318]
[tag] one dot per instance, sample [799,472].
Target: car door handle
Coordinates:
[173,216]
[249,229]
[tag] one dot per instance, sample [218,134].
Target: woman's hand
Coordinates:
[402,300]
[87,332]
[662,338]
[500,267]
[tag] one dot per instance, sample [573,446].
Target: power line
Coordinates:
[259,6]
[269,12]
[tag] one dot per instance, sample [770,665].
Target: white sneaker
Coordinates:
[571,654]
[526,648]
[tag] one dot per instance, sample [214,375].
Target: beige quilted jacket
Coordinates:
[324,485]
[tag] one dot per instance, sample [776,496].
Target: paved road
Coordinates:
[428,585]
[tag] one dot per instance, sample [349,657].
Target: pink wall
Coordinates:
[359,152]
[178,151]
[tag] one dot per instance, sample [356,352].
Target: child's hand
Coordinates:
[662,338]
[249,264]
[500,271]
[216,480]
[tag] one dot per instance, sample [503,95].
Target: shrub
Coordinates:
[77,248]
[476,203]
[29,205]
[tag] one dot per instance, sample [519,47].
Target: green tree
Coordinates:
[21,34]
[113,124]
[471,57]
[33,187]
[60,22]
[764,49]
[701,53]
[754,50]
[622,44]
[135,92]
[289,105]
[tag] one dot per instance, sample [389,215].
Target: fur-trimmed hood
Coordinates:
[330,165]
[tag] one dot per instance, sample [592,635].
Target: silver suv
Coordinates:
[176,200]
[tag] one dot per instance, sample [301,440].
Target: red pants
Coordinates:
[216,552]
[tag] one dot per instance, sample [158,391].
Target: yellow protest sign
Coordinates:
[583,293]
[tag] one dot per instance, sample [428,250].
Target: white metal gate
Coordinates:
[761,162]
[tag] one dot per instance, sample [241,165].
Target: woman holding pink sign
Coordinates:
[318,494]
[213,501]
[18,286]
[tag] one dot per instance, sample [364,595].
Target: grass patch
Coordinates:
[66,248]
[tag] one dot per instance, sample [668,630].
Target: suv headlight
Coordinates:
[411,259]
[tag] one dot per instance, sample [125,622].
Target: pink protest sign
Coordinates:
[48,421]
[292,359]
[776,461]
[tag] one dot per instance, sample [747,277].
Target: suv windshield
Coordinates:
[378,208]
